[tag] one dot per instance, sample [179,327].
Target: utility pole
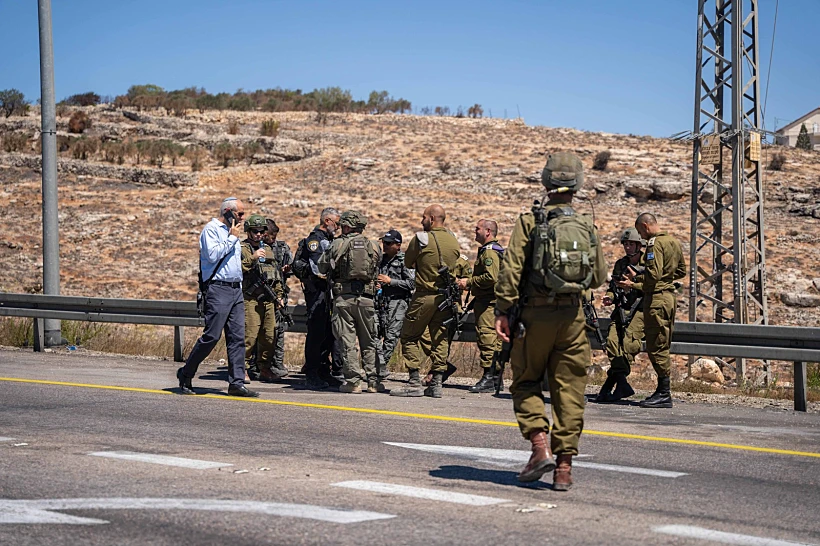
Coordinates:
[727,258]
[48,130]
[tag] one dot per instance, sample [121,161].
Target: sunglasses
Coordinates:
[257,231]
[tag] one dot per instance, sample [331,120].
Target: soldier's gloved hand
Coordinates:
[383,279]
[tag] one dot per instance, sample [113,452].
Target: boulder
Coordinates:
[800,299]
[639,188]
[670,189]
[705,369]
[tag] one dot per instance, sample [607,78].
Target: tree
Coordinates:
[13,102]
[332,99]
[475,111]
[224,152]
[78,122]
[401,106]
[83,99]
[196,155]
[442,110]
[379,102]
[803,139]
[601,160]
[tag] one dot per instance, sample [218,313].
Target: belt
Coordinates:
[232,284]
[556,301]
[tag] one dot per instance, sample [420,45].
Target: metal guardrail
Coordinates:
[790,343]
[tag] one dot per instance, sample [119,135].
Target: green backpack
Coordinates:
[564,250]
[357,260]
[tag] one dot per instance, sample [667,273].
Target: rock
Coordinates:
[816,283]
[361,164]
[670,189]
[510,172]
[600,188]
[801,197]
[639,188]
[796,299]
[704,369]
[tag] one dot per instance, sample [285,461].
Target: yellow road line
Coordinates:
[426,416]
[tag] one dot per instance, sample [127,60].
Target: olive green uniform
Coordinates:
[665,264]
[426,253]
[462,270]
[260,316]
[555,342]
[482,287]
[354,310]
[622,353]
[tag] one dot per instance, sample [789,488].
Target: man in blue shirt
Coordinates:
[220,260]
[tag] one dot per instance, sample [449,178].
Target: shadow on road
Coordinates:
[501,477]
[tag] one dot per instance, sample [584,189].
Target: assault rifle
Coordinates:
[451,297]
[592,320]
[262,282]
[502,357]
[381,302]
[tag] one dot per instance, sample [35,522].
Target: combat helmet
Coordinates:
[631,234]
[563,170]
[353,219]
[256,221]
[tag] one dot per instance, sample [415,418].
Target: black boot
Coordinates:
[605,394]
[622,389]
[662,398]
[185,386]
[434,390]
[486,383]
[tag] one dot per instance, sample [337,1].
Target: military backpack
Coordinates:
[357,261]
[564,250]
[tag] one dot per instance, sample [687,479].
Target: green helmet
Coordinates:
[353,219]
[563,170]
[631,234]
[256,221]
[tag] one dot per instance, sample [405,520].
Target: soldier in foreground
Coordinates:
[626,327]
[665,264]
[553,258]
[395,288]
[284,259]
[259,274]
[350,265]
[482,287]
[433,254]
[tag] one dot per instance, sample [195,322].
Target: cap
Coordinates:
[392,236]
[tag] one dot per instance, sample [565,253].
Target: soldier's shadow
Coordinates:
[219,374]
[469,473]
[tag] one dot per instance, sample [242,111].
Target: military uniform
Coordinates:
[621,352]
[260,312]
[322,351]
[426,253]
[462,270]
[283,257]
[395,298]
[482,287]
[351,264]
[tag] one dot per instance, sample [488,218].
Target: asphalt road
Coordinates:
[83,463]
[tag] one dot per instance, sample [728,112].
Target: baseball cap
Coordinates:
[392,236]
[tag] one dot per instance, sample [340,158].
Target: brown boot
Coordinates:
[562,477]
[541,460]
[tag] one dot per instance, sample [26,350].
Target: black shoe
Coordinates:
[244,392]
[605,394]
[332,380]
[185,386]
[622,389]
[315,383]
[486,383]
[661,398]
[450,371]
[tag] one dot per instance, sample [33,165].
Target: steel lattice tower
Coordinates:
[727,260]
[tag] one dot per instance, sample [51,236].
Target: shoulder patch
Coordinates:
[650,255]
[463,257]
[488,261]
[651,241]
[423,238]
[313,245]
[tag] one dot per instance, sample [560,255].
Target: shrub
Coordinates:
[601,160]
[13,102]
[83,147]
[444,164]
[250,149]
[270,128]
[460,112]
[777,162]
[82,99]
[15,141]
[196,155]
[475,111]
[224,152]
[78,122]
[233,127]
[442,110]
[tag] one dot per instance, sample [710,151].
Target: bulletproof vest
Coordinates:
[357,260]
[564,250]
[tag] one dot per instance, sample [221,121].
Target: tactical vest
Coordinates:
[564,250]
[356,266]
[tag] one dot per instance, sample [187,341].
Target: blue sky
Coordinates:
[624,66]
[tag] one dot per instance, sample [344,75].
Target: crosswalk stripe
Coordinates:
[690,531]
[420,493]
[160,459]
[5,439]
[630,469]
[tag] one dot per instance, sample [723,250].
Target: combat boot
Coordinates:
[562,477]
[661,398]
[314,382]
[622,389]
[605,394]
[434,390]
[374,384]
[541,460]
[350,388]
[185,386]
[413,387]
[486,383]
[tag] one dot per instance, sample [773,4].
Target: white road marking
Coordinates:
[421,493]
[160,459]
[510,458]
[688,531]
[40,511]
[5,439]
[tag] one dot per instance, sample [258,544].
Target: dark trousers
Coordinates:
[322,350]
[224,310]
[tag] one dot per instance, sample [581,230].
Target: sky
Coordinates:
[620,66]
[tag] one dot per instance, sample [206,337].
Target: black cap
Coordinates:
[392,236]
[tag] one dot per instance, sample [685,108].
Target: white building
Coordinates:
[787,135]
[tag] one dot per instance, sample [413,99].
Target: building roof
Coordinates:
[799,120]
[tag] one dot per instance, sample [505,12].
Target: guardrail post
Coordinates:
[39,335]
[179,340]
[800,386]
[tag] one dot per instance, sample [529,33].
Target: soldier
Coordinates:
[665,264]
[396,284]
[428,252]
[284,258]
[322,353]
[626,326]
[259,275]
[351,264]
[482,287]
[553,258]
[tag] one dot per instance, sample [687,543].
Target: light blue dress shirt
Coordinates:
[214,243]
